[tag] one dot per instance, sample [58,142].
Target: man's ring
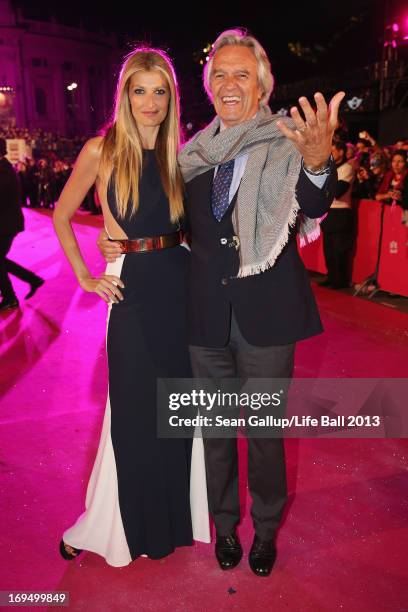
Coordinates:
[302,129]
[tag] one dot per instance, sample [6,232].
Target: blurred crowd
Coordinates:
[43,175]
[43,144]
[42,180]
[380,172]
[368,171]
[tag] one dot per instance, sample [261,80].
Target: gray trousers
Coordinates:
[266,458]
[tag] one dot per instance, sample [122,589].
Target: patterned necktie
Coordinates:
[220,189]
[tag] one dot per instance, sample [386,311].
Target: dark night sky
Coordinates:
[347,33]
[345,43]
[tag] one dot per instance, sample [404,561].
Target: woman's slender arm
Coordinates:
[83,176]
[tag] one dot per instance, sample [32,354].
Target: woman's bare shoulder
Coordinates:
[93,147]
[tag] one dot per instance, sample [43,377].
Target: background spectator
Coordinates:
[394,186]
[338,226]
[11,223]
[368,180]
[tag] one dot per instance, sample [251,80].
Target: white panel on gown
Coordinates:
[100,529]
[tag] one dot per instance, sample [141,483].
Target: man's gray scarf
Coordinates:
[266,206]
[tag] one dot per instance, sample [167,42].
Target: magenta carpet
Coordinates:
[343,544]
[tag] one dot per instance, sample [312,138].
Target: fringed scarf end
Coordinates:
[306,237]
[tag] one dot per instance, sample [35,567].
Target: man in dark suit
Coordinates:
[246,316]
[251,181]
[11,223]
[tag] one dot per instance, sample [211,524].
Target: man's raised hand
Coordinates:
[313,135]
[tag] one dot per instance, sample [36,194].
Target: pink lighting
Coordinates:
[395,27]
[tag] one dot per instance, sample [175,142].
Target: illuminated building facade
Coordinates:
[54,77]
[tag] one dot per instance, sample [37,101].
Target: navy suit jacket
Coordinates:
[275,307]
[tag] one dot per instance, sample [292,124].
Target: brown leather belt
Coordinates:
[153,243]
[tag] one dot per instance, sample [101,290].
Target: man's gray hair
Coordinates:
[241,38]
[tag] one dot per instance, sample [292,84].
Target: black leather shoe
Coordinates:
[324,283]
[228,551]
[34,286]
[262,556]
[66,554]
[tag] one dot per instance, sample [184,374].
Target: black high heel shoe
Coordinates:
[65,554]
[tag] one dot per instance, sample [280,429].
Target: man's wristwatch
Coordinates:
[318,171]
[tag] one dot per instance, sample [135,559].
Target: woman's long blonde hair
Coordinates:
[122,148]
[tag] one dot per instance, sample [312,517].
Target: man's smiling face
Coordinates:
[234,84]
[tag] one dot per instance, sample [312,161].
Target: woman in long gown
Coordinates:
[138,496]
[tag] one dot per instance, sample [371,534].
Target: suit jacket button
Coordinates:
[224,281]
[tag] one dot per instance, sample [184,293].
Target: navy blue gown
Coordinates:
[147,339]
